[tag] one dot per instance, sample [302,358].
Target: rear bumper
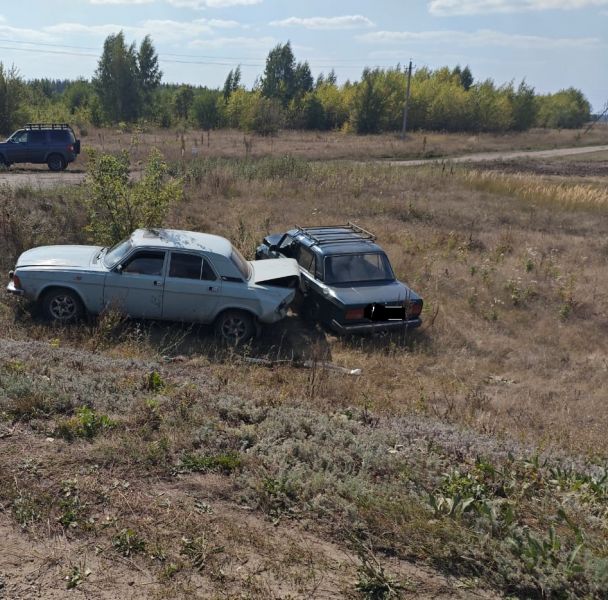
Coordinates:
[363,328]
[11,289]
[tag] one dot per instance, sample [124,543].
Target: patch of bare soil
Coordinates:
[537,167]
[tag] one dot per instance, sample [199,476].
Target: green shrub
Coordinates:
[116,206]
[86,424]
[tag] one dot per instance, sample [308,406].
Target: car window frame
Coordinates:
[204,259]
[303,248]
[380,253]
[132,255]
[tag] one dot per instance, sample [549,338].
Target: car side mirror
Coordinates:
[118,269]
[272,247]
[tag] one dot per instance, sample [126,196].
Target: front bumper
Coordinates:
[11,289]
[378,326]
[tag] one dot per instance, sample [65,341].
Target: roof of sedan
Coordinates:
[186,240]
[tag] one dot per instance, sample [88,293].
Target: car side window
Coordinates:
[61,135]
[20,137]
[145,262]
[191,266]
[306,259]
[36,137]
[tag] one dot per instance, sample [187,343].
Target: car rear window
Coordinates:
[353,268]
[240,263]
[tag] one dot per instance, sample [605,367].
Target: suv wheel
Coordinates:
[235,327]
[62,306]
[4,162]
[55,162]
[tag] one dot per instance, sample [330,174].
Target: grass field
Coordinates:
[468,458]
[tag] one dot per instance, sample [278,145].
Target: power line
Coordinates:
[202,59]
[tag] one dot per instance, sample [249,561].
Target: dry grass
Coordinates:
[535,190]
[511,361]
[329,145]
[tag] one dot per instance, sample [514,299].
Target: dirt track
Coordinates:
[502,156]
[38,178]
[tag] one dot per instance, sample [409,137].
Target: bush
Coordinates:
[117,206]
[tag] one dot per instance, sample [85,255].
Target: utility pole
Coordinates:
[407,100]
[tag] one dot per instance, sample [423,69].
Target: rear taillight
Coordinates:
[71,148]
[414,309]
[354,314]
[16,282]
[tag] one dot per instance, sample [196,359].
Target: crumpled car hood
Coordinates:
[59,256]
[394,292]
[278,268]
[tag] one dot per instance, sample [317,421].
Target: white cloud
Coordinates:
[164,30]
[344,22]
[23,34]
[235,42]
[212,3]
[482,37]
[443,8]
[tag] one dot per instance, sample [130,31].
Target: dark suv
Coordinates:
[52,143]
[347,281]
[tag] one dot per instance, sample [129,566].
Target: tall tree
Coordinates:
[466,78]
[303,81]
[232,83]
[369,103]
[117,80]
[150,74]
[279,75]
[11,98]
[182,101]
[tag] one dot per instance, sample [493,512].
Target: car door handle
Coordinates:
[158,283]
[214,288]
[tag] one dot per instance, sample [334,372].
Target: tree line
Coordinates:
[127,87]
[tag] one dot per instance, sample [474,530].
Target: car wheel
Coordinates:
[55,162]
[235,327]
[62,306]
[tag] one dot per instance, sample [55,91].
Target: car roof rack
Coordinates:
[327,234]
[47,126]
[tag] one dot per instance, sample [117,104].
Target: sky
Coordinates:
[552,44]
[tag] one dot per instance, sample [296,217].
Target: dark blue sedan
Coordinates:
[347,282]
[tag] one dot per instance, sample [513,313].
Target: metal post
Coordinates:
[407,99]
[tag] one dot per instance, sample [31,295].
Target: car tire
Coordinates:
[62,306]
[4,162]
[235,327]
[55,162]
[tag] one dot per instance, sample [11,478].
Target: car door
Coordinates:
[37,146]
[16,148]
[192,288]
[135,286]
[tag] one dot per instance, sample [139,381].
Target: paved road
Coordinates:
[41,179]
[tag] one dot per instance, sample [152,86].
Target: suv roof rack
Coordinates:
[47,126]
[326,234]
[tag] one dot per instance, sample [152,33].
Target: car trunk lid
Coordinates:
[281,271]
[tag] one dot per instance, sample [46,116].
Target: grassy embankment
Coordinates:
[474,448]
